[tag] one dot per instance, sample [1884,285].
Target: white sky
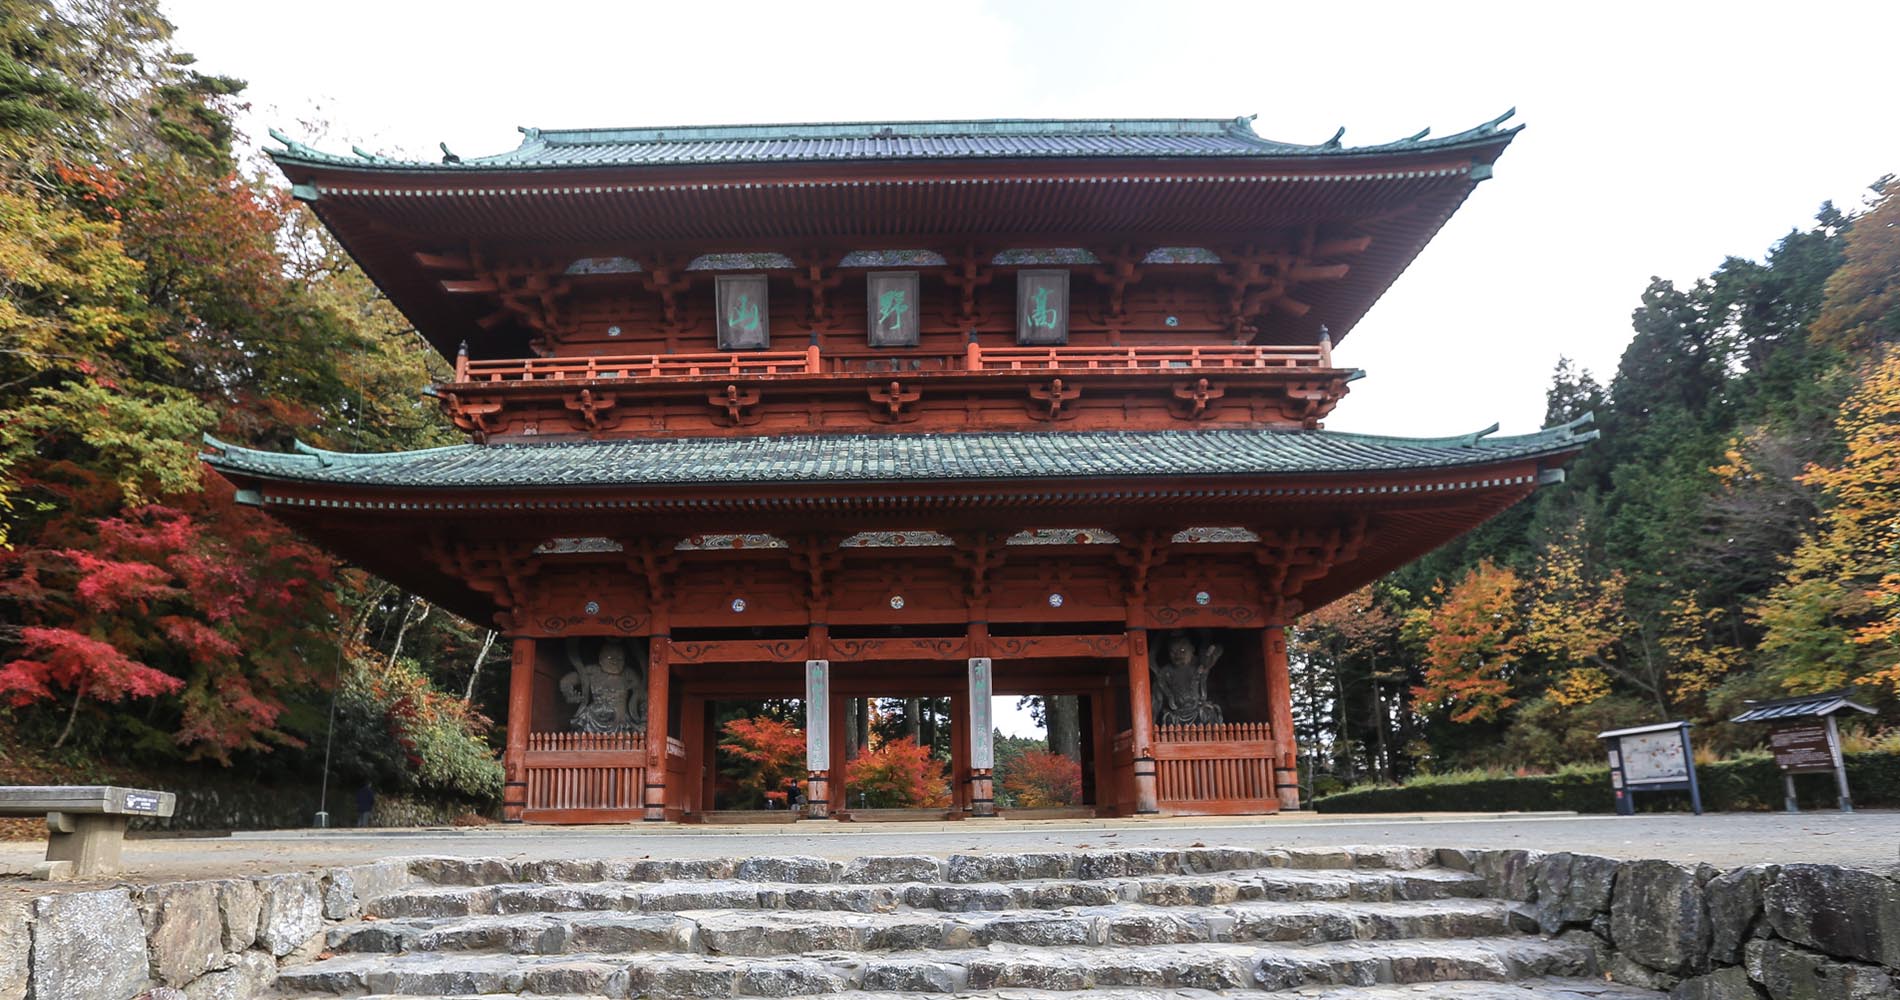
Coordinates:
[1663,136]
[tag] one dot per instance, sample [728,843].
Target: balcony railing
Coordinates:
[977,358]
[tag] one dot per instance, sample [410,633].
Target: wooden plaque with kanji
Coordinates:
[742,320]
[891,309]
[1042,307]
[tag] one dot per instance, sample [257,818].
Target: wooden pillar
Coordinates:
[1141,708]
[1102,732]
[693,736]
[1286,774]
[818,739]
[659,692]
[840,753]
[959,752]
[514,759]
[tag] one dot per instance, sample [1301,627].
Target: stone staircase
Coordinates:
[1351,924]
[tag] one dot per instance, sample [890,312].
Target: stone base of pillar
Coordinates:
[818,795]
[514,799]
[1286,782]
[656,803]
[982,793]
[1147,797]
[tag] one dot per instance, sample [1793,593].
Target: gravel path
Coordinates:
[1869,839]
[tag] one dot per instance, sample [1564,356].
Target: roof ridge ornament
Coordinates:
[1335,142]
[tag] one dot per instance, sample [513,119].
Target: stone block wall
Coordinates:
[1763,932]
[209,940]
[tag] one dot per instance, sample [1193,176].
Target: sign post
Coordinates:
[1654,758]
[1806,739]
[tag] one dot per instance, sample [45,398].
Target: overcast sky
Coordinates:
[1663,136]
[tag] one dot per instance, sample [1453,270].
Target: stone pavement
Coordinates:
[1868,839]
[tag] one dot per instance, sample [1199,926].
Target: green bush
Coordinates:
[1741,784]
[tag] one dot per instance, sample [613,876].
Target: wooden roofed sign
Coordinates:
[742,320]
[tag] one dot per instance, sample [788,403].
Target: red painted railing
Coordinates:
[977,358]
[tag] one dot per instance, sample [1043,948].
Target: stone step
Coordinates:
[1528,989]
[957,868]
[1192,966]
[778,932]
[1271,884]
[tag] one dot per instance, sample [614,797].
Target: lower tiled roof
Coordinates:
[972,456]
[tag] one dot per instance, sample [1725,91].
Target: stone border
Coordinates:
[1761,932]
[207,940]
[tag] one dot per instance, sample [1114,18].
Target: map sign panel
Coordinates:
[1654,757]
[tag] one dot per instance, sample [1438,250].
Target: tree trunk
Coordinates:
[78,693]
[1063,713]
[488,643]
[914,718]
[395,648]
[862,708]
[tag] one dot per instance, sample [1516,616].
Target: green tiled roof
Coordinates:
[946,140]
[976,456]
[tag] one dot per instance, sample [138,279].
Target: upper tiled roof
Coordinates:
[893,458]
[951,140]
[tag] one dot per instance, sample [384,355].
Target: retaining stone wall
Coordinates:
[1762,932]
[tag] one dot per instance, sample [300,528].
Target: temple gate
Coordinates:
[946,410]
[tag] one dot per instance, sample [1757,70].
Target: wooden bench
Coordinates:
[85,824]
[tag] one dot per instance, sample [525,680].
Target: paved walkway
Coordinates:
[1868,839]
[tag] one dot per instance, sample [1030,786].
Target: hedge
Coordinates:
[1744,783]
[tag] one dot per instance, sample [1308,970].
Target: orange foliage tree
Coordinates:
[895,775]
[1037,779]
[775,749]
[1473,641]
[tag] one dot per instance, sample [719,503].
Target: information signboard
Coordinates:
[1802,746]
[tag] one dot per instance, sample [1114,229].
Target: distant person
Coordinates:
[365,802]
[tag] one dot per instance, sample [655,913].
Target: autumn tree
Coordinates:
[772,749]
[1835,619]
[897,774]
[1039,779]
[1472,642]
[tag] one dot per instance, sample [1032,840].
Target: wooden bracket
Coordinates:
[1290,559]
[969,271]
[979,554]
[594,409]
[1047,401]
[499,568]
[737,403]
[666,276]
[652,560]
[895,399]
[817,274]
[471,417]
[817,556]
[1144,550]
[1121,267]
[1192,399]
